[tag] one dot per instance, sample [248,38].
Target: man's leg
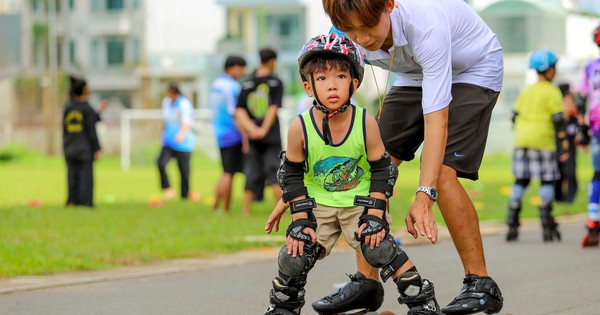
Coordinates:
[479,293]
[462,222]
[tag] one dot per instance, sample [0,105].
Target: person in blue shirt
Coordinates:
[223,99]
[178,139]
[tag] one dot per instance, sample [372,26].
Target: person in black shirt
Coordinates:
[80,144]
[256,116]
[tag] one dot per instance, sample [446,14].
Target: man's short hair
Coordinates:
[266,54]
[233,61]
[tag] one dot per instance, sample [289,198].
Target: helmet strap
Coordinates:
[319,106]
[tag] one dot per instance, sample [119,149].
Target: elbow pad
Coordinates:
[290,176]
[383,175]
[559,122]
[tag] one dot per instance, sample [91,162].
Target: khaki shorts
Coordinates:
[332,222]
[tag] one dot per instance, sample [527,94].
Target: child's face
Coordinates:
[371,38]
[332,87]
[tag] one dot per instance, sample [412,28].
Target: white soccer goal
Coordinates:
[205,138]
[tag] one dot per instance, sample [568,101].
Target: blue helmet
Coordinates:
[542,60]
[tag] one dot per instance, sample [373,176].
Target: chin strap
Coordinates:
[319,106]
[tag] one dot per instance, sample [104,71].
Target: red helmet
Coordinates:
[333,44]
[597,36]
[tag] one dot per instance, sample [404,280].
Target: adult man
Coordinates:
[256,116]
[449,67]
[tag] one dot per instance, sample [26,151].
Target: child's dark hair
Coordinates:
[77,86]
[325,62]
[266,54]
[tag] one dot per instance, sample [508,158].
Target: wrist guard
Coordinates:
[374,225]
[370,202]
[296,228]
[303,205]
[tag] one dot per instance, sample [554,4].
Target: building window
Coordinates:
[95,53]
[115,51]
[114,4]
[72,52]
[283,31]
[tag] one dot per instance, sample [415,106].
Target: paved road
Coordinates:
[536,278]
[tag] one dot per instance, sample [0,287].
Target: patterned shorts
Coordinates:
[534,163]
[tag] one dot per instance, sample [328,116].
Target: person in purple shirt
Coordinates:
[589,91]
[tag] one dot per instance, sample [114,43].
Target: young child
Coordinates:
[538,116]
[336,177]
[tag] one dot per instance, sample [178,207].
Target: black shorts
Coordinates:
[260,163]
[232,159]
[402,125]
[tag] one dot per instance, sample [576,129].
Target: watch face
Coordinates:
[433,193]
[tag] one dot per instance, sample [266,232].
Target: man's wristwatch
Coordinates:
[429,191]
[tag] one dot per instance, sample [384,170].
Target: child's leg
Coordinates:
[287,295]
[549,225]
[364,291]
[514,208]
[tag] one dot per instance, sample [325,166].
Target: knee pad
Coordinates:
[293,270]
[388,256]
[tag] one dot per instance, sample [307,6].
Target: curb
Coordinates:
[29,283]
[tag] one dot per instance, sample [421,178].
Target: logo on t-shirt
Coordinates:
[338,173]
[74,121]
[258,101]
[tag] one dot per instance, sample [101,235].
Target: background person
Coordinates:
[449,70]
[256,116]
[178,140]
[589,90]
[80,144]
[565,188]
[538,120]
[223,99]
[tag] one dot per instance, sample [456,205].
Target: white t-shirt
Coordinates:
[438,43]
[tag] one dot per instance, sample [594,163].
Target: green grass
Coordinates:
[124,230]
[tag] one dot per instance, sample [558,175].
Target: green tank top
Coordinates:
[336,173]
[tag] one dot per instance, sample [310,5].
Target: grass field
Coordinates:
[123,229]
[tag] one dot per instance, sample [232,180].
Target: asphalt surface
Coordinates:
[535,278]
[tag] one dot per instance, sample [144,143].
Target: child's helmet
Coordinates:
[542,60]
[597,36]
[333,44]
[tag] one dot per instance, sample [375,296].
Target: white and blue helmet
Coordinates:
[542,60]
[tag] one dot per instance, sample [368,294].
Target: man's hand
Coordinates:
[421,215]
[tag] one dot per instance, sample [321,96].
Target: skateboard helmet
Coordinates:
[542,60]
[333,44]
